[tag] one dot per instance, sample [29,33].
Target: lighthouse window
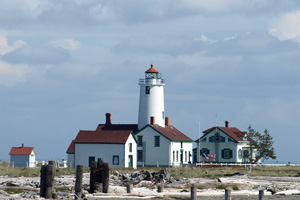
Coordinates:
[163,114]
[147,89]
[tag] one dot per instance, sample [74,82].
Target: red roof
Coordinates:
[151,70]
[114,134]
[21,150]
[71,148]
[233,132]
[171,133]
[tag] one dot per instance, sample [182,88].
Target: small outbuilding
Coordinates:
[22,156]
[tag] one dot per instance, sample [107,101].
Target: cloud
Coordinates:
[203,38]
[68,44]
[36,56]
[11,75]
[286,27]
[5,48]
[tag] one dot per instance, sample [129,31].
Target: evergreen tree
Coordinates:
[261,144]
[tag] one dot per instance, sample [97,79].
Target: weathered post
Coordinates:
[105,177]
[49,181]
[261,195]
[193,193]
[129,188]
[227,194]
[43,181]
[160,188]
[99,178]
[78,183]
[93,176]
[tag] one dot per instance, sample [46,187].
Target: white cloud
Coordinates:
[286,27]
[68,44]
[10,75]
[30,9]
[203,38]
[5,48]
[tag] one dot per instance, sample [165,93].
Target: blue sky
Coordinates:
[64,64]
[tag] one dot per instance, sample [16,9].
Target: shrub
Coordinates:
[221,187]
[235,187]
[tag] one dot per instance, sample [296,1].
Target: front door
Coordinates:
[130,163]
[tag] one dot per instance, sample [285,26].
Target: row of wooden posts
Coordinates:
[99,181]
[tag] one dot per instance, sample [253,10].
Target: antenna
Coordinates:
[217,119]
[198,149]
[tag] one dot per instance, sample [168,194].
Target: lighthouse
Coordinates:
[151,105]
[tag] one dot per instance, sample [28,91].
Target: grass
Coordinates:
[221,187]
[14,191]
[235,187]
[182,172]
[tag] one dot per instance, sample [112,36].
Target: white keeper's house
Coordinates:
[223,145]
[113,143]
[159,143]
[22,156]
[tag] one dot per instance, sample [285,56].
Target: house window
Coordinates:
[204,152]
[140,141]
[203,140]
[226,153]
[156,141]
[190,156]
[185,154]
[176,156]
[217,138]
[140,155]
[173,156]
[147,89]
[115,160]
[130,147]
[240,154]
[230,140]
[91,159]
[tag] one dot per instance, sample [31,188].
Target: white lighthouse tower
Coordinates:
[151,99]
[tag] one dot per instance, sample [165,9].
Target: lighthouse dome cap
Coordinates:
[151,70]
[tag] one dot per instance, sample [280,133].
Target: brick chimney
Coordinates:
[167,123]
[152,120]
[226,123]
[22,145]
[108,118]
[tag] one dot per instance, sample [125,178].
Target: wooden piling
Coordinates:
[43,181]
[160,188]
[261,195]
[99,177]
[193,193]
[105,177]
[49,181]
[129,188]
[227,194]
[93,176]
[78,183]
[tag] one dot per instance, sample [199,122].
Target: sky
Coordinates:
[64,64]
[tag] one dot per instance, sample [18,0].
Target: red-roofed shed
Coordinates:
[22,156]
